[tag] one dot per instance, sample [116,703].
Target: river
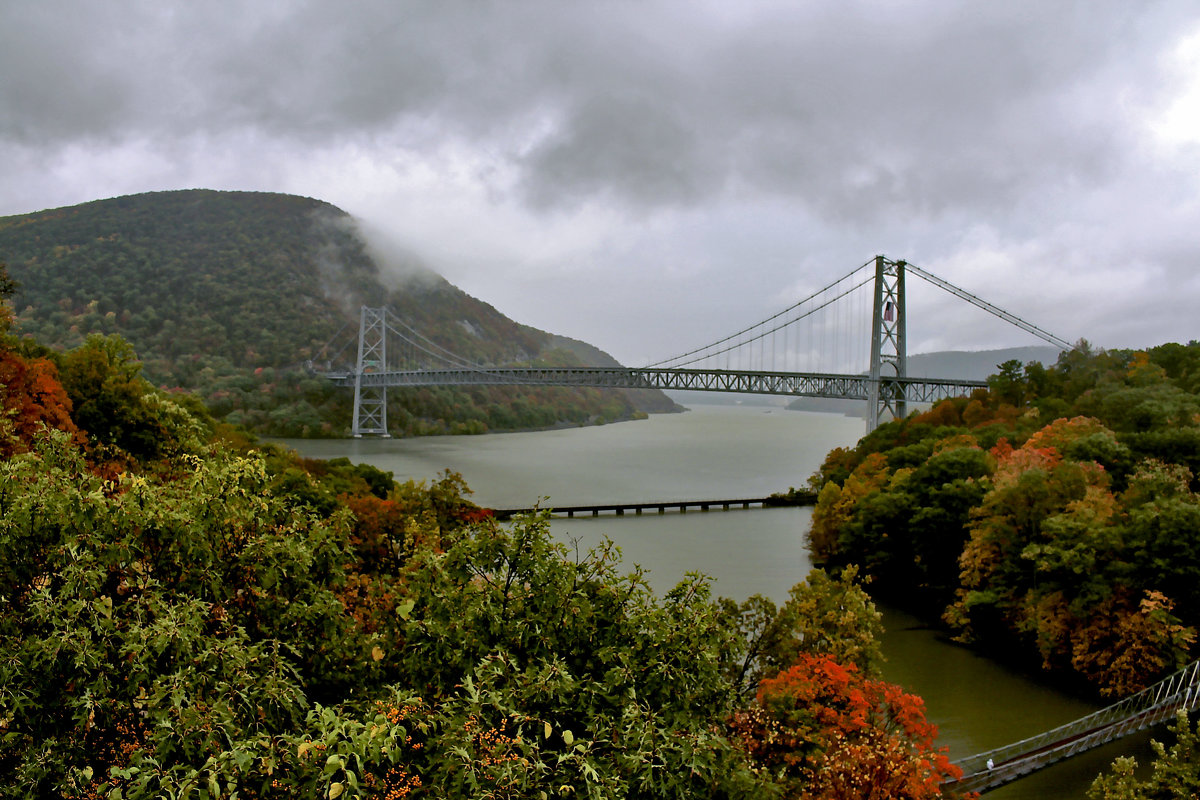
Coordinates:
[721,452]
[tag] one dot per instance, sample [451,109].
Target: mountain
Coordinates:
[227,294]
[976,365]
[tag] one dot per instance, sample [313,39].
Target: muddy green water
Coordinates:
[732,452]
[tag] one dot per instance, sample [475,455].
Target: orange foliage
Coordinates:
[1011,464]
[379,529]
[947,413]
[1060,433]
[1123,647]
[830,732]
[31,396]
[835,506]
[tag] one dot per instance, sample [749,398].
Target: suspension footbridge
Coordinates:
[780,355]
[1159,703]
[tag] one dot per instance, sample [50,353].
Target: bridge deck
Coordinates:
[798,384]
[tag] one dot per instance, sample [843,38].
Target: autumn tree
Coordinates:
[31,395]
[828,732]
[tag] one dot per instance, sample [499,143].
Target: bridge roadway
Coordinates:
[798,384]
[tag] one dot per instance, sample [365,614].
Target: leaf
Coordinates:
[568,737]
[376,653]
[405,609]
[548,730]
[335,790]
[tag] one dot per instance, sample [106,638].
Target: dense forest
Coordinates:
[228,294]
[187,612]
[1054,514]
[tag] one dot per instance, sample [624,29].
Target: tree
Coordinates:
[1009,385]
[7,288]
[827,731]
[1175,774]
[31,397]
[147,624]
[836,505]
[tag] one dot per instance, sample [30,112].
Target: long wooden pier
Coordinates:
[662,507]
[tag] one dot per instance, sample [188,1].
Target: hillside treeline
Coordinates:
[229,294]
[1053,515]
[187,613]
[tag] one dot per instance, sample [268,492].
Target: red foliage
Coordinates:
[947,413]
[471,516]
[379,528]
[832,733]
[31,396]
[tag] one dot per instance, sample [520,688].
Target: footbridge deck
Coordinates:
[1158,703]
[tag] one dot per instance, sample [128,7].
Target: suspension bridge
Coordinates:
[781,355]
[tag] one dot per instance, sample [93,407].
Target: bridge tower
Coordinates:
[889,360]
[370,401]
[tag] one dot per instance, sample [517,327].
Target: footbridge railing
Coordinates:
[1158,703]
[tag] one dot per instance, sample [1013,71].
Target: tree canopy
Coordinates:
[1053,512]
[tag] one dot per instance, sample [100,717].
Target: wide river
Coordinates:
[724,452]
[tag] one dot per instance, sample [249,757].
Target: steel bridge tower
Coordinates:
[370,402]
[889,361]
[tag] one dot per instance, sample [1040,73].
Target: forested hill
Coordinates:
[228,293]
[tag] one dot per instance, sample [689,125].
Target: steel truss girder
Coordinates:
[796,384]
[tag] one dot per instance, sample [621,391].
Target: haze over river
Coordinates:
[725,452]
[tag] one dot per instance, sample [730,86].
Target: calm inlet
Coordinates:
[720,452]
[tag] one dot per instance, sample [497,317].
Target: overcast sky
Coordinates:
[648,176]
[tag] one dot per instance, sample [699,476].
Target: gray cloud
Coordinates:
[559,128]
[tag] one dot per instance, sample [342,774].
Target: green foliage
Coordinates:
[119,409]
[625,685]
[1175,774]
[214,632]
[164,618]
